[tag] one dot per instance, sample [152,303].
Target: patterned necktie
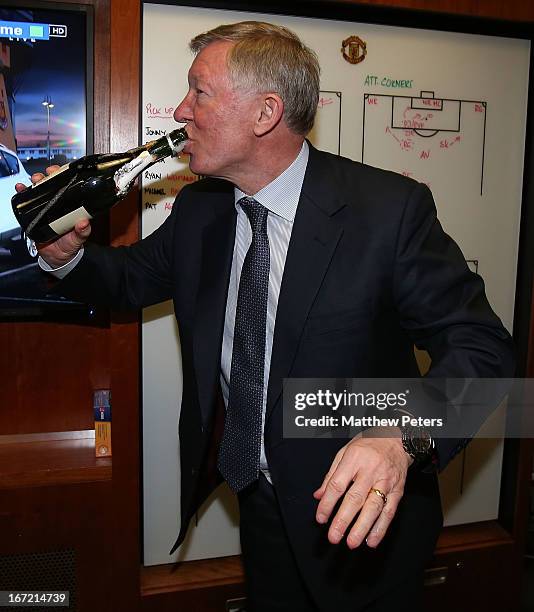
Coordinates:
[239,453]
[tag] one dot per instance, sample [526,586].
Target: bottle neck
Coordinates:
[170,144]
[159,148]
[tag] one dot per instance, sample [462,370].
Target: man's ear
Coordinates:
[270,113]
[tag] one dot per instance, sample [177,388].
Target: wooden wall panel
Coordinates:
[48,373]
[518,10]
[124,337]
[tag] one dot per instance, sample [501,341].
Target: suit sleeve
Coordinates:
[126,277]
[443,306]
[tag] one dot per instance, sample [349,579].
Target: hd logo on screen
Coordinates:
[26,30]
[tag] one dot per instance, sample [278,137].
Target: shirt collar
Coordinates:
[282,195]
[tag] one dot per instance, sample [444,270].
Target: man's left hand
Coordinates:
[363,464]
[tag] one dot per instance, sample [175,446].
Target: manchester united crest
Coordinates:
[354,49]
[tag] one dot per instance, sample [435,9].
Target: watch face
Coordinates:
[420,440]
[422,443]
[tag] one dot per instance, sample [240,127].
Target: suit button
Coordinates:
[194,471]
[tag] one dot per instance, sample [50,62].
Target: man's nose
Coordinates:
[182,113]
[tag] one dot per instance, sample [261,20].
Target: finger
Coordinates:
[336,486]
[38,176]
[339,455]
[354,500]
[20,187]
[320,491]
[369,514]
[51,169]
[378,530]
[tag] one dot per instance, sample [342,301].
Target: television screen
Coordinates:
[45,65]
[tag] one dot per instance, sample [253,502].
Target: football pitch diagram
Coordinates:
[425,136]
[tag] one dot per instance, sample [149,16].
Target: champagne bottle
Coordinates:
[87,187]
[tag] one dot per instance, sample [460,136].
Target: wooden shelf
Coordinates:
[189,575]
[472,535]
[55,458]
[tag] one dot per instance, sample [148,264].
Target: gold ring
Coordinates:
[380,494]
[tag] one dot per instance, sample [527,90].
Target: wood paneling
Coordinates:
[519,10]
[49,371]
[124,337]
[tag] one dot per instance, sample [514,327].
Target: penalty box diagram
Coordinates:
[425,136]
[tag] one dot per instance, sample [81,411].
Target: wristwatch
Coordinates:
[419,444]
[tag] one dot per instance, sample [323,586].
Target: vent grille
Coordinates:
[40,571]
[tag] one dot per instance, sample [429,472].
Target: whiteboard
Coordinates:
[447,109]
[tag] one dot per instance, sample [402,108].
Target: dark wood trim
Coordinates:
[394,12]
[124,335]
[101,85]
[505,10]
[207,598]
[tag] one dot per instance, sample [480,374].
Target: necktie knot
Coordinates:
[256,213]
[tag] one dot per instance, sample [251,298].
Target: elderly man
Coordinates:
[291,262]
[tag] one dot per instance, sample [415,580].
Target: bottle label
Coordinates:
[47,178]
[127,173]
[65,223]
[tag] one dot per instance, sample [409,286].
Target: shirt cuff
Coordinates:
[63,270]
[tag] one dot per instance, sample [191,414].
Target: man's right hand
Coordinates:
[60,251]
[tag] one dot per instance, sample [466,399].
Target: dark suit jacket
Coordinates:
[369,272]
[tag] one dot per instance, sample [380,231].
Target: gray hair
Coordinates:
[268,57]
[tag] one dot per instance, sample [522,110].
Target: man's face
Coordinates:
[219,119]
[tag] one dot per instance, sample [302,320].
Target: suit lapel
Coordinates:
[217,250]
[314,238]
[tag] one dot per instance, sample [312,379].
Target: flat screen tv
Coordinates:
[46,81]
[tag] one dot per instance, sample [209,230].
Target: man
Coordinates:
[297,263]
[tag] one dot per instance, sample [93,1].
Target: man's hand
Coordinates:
[60,251]
[363,464]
